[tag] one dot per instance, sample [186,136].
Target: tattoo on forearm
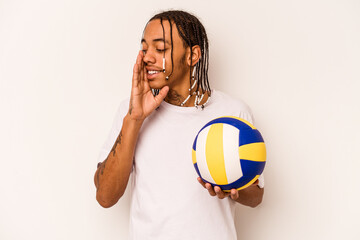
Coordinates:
[118,141]
[102,165]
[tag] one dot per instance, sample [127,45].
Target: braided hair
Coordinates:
[192,32]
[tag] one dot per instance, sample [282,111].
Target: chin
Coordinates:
[157,84]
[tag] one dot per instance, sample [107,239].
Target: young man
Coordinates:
[153,133]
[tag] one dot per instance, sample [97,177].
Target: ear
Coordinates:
[195,57]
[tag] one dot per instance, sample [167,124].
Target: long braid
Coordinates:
[192,33]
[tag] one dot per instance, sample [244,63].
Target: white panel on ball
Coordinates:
[201,155]
[231,153]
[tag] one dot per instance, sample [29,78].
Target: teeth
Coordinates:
[152,72]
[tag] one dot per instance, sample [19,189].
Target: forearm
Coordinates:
[112,175]
[251,196]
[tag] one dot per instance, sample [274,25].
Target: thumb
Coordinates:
[162,94]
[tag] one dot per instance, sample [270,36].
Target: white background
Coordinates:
[66,65]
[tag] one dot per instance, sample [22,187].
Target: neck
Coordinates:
[184,95]
[176,98]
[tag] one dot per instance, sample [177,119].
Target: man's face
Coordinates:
[154,47]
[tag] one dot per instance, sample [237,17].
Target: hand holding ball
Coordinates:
[229,152]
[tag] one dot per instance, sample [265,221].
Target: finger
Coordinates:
[145,73]
[139,57]
[210,189]
[234,194]
[220,194]
[145,80]
[135,75]
[162,94]
[201,182]
[141,66]
[136,71]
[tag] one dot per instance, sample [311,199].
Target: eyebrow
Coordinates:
[156,40]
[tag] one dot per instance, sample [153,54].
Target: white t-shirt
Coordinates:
[167,202]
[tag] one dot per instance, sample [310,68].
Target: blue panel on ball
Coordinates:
[238,183]
[195,141]
[252,168]
[231,121]
[197,169]
[249,136]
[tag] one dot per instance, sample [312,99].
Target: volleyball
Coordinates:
[229,152]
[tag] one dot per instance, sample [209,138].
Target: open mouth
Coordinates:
[152,74]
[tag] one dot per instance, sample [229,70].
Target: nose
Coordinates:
[149,58]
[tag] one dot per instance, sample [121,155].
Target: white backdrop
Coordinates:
[66,65]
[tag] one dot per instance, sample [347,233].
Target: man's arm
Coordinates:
[251,196]
[113,174]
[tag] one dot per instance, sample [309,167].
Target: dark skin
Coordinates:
[250,196]
[101,166]
[155,48]
[112,175]
[174,97]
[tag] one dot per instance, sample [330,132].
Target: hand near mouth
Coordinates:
[142,101]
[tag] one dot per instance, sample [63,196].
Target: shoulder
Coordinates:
[233,104]
[229,100]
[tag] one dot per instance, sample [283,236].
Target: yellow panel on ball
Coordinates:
[253,152]
[215,154]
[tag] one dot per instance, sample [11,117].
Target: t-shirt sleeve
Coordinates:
[247,116]
[114,131]
[261,182]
